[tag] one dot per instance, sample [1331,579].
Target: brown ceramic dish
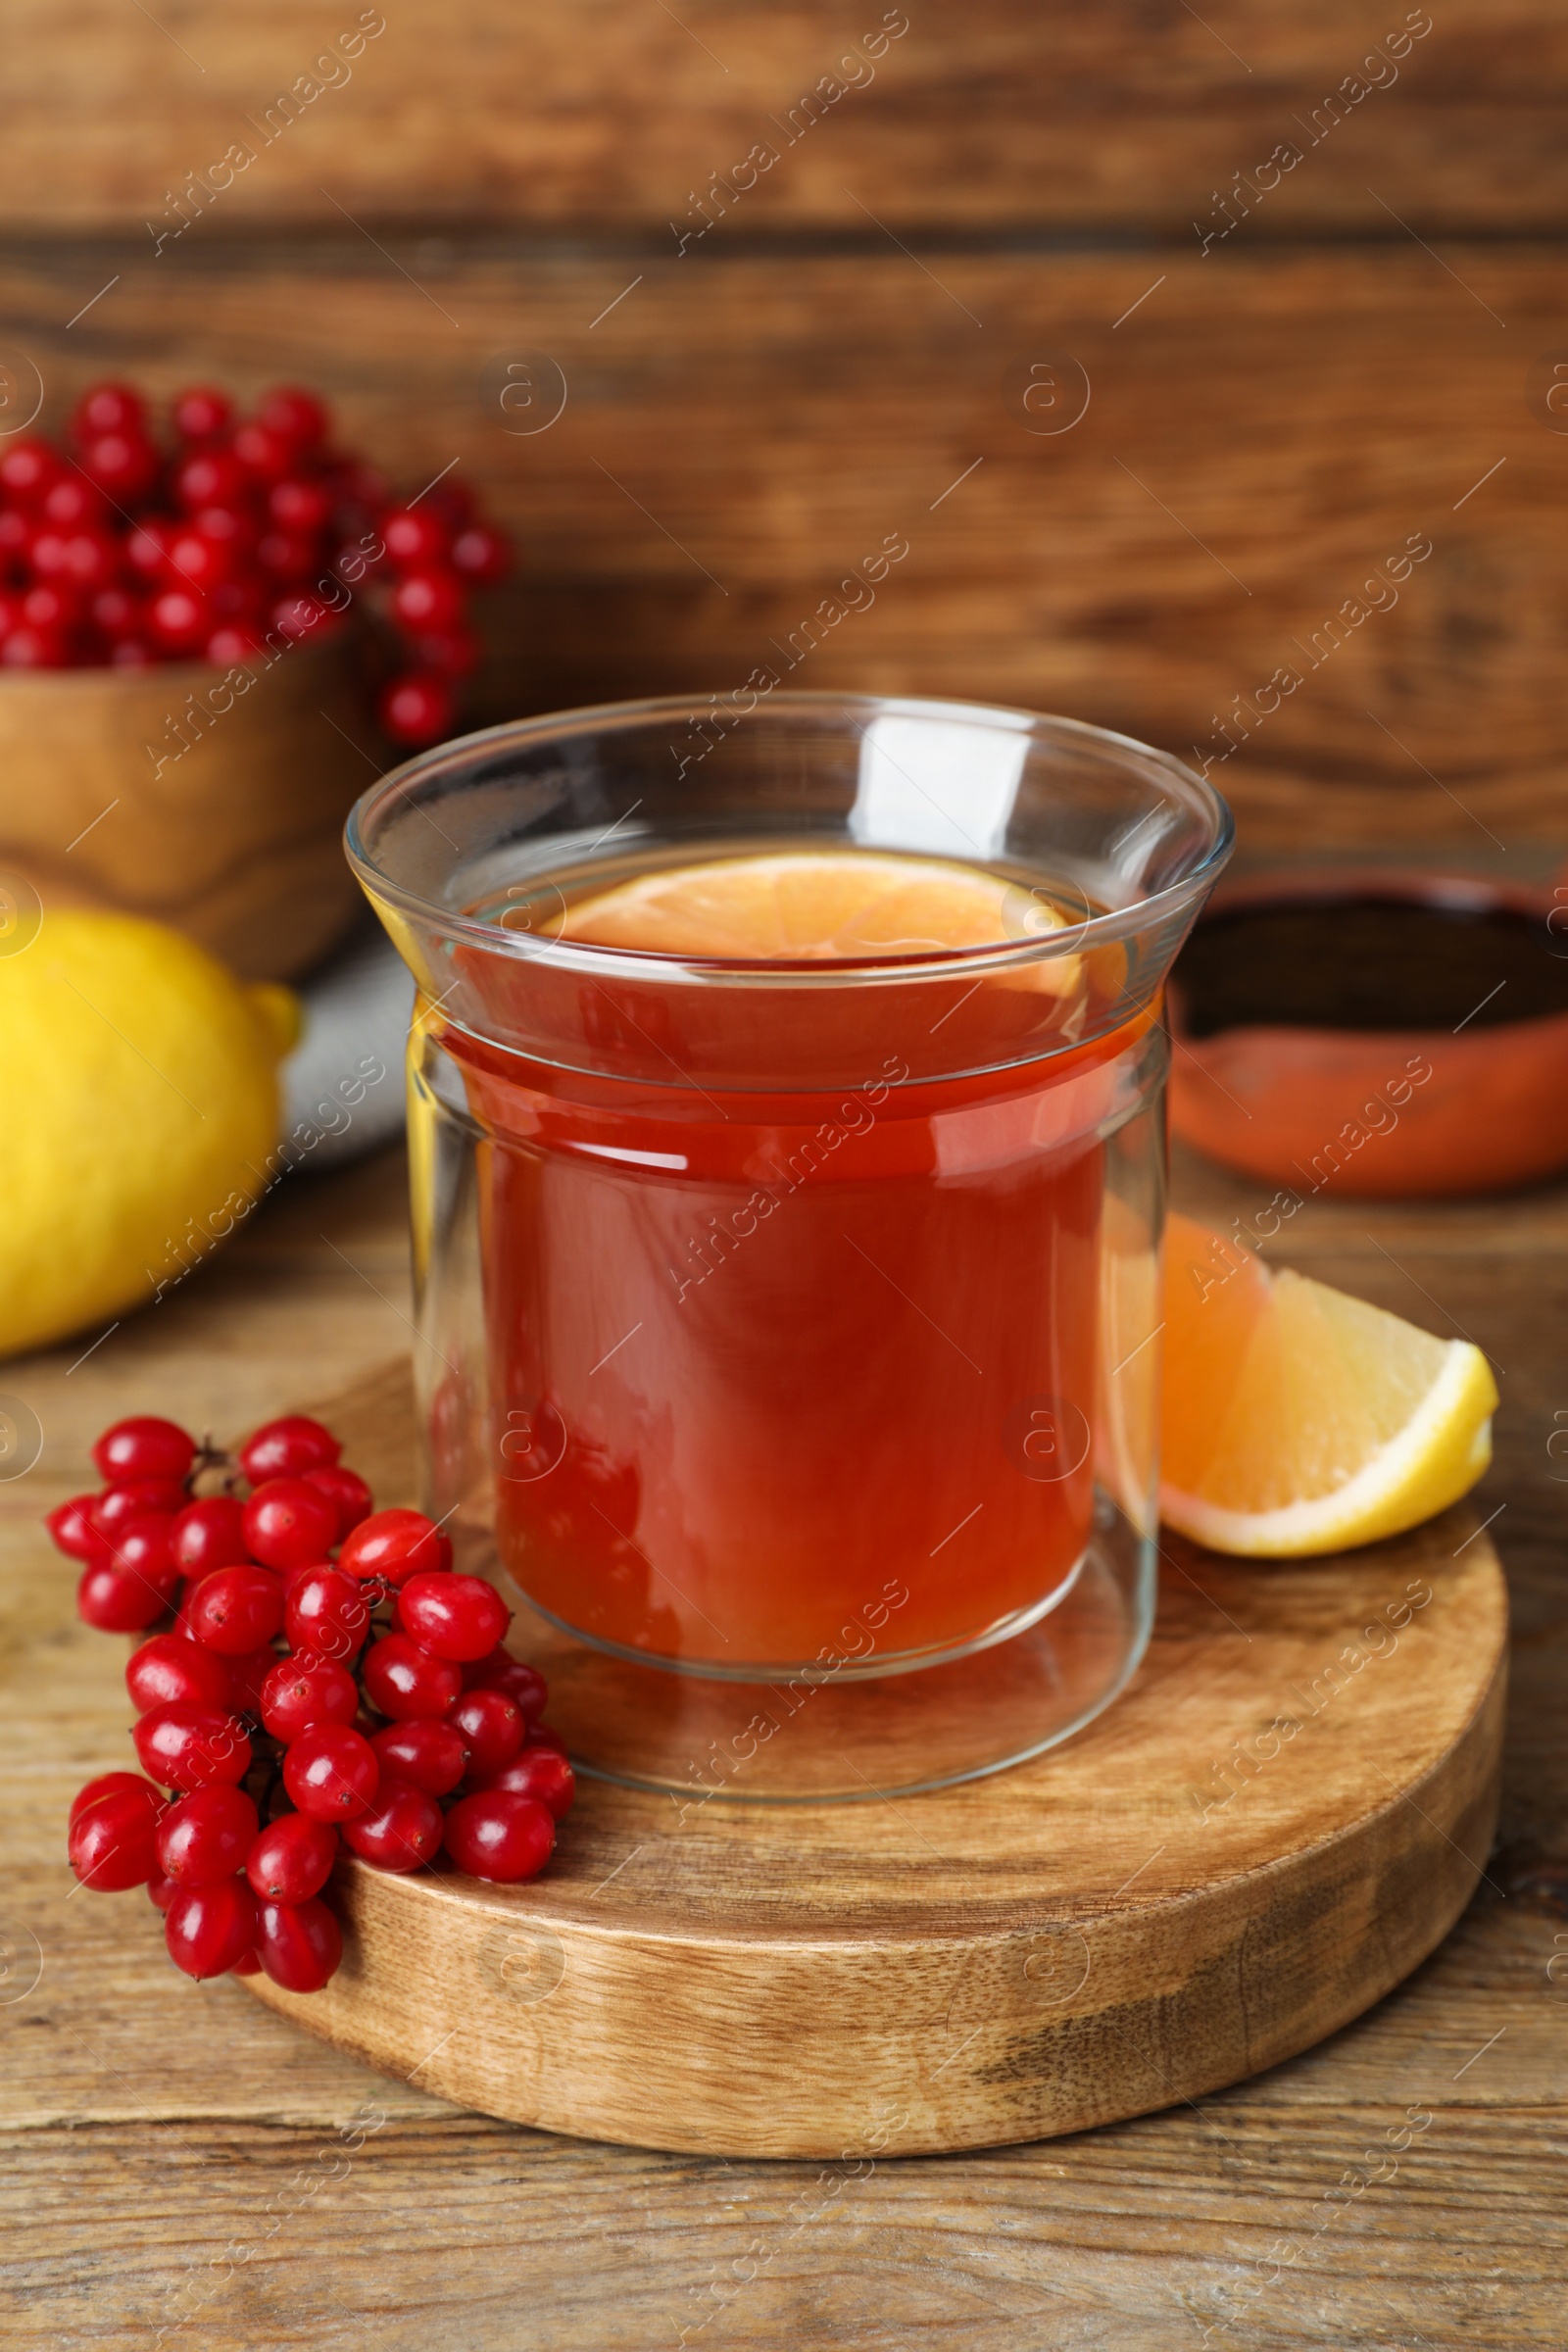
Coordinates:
[1374,1035]
[234,840]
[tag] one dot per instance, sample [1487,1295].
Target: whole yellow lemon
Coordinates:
[141,1107]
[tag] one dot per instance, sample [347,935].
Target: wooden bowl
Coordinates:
[164,792]
[1376,1114]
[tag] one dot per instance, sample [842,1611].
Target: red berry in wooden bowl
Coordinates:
[457,1617]
[499,1837]
[144,1446]
[299,1944]
[401,1832]
[209,1930]
[205,1837]
[290,1525]
[428,1754]
[201,413]
[331,1774]
[170,1670]
[292,1859]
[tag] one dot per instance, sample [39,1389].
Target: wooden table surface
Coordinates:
[183,2168]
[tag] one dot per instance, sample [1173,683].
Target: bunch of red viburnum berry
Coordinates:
[314,1671]
[233,537]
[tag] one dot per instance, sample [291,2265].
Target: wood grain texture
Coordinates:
[1001,113]
[184,2159]
[1263,437]
[227,823]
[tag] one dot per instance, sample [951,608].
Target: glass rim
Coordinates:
[653,964]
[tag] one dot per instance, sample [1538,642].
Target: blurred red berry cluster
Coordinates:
[247,534]
[314,1672]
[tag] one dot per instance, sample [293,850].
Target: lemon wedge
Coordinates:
[1298,1420]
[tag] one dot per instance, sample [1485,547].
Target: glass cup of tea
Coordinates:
[786,1128]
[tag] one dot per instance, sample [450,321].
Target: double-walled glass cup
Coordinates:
[788,1330]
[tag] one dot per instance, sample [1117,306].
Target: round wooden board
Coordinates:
[1283,1815]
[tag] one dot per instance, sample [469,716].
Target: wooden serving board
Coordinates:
[1284,1814]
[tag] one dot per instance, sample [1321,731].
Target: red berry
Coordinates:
[417,709]
[230,529]
[249,1966]
[200,562]
[200,413]
[542,1734]
[121,1599]
[162,1890]
[131,653]
[205,1837]
[427,598]
[301,615]
[125,465]
[499,1835]
[481,555]
[28,468]
[393,1546]
[73,502]
[207,1535]
[286,554]
[116,612]
[538,1772]
[428,1754]
[189,1747]
[29,648]
[264,454]
[331,1773]
[411,535]
[298,506]
[346,1492]
[238,1609]
[232,645]
[287,1448]
[71,1526]
[135,1499]
[406,1682]
[501,1671]
[147,547]
[299,1943]
[116,1784]
[326,1613]
[209,1930]
[172,1670]
[288,1523]
[107,409]
[492,1725]
[180,620]
[298,1695]
[294,415]
[210,477]
[292,1859]
[144,1447]
[401,1832]
[78,561]
[457,1617]
[112,1844]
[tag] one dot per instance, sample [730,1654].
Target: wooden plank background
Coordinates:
[847,351]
